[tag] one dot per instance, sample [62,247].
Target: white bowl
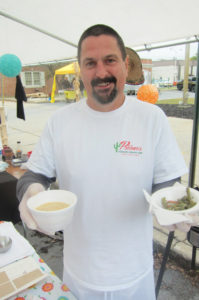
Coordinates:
[52,221]
[173,194]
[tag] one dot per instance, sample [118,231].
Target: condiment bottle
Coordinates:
[18,150]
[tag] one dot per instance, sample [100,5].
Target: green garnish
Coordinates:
[185,202]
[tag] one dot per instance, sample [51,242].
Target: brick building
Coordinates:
[34,79]
[171,70]
[38,78]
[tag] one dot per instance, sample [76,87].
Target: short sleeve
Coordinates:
[169,162]
[42,157]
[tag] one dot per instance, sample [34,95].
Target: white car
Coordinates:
[130,89]
[165,83]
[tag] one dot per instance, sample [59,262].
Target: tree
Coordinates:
[195,57]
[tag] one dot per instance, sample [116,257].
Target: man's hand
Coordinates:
[172,222]
[25,215]
[185,226]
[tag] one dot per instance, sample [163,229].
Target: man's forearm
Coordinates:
[30,177]
[165,184]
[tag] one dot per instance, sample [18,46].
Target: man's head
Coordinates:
[97,30]
[103,64]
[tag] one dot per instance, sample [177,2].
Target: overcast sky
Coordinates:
[177,52]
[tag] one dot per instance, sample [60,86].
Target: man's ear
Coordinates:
[127,64]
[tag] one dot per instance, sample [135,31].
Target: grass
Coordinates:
[171,88]
[175,101]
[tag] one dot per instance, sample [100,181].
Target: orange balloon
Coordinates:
[148,93]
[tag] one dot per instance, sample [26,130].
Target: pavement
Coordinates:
[29,131]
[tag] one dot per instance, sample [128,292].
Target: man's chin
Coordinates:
[105,99]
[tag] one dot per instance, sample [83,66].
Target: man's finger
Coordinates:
[170,227]
[27,218]
[185,227]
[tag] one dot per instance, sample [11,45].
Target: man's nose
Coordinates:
[101,70]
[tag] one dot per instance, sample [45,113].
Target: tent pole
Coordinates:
[37,29]
[172,44]
[195,130]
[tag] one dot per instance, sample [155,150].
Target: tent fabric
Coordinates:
[68,69]
[53,90]
[139,23]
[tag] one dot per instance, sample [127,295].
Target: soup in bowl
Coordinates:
[52,209]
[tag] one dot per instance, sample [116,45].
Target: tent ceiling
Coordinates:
[138,22]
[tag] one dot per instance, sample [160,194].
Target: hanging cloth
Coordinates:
[20,95]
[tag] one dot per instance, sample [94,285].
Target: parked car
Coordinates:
[165,83]
[191,84]
[130,89]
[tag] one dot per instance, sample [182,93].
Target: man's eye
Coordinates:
[90,64]
[110,60]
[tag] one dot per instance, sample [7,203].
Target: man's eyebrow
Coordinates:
[111,56]
[87,59]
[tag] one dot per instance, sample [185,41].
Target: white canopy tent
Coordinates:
[40,31]
[140,23]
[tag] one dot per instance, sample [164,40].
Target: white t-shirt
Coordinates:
[107,159]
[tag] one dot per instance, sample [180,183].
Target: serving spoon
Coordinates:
[5,243]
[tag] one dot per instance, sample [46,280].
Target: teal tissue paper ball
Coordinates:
[10,65]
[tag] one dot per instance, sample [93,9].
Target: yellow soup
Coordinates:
[50,206]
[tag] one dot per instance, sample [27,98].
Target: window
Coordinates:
[33,79]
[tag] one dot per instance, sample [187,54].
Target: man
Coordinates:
[65,83]
[106,149]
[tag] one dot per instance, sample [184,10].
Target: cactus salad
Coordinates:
[183,203]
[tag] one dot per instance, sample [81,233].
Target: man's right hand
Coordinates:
[25,215]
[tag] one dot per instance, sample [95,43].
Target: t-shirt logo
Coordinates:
[126,147]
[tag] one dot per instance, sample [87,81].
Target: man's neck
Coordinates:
[95,105]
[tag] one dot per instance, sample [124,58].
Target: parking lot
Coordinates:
[173,94]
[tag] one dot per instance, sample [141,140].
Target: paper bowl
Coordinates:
[56,220]
[174,193]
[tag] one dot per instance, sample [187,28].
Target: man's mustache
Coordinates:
[97,81]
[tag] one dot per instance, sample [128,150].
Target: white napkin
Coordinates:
[164,217]
[167,218]
[3,166]
[20,246]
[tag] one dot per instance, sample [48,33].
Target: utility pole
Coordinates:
[186,74]
[175,69]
